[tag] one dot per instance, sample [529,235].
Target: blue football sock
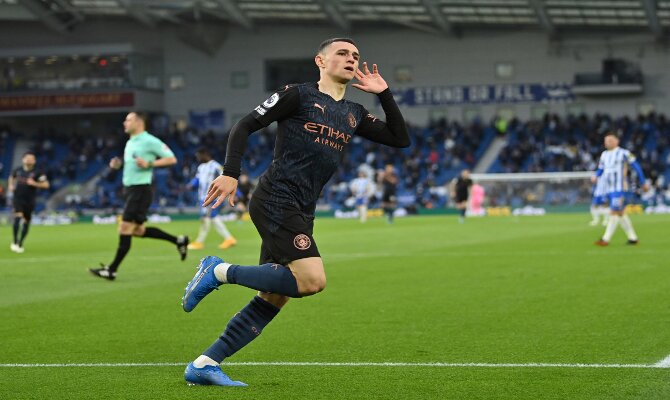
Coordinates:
[244,327]
[271,278]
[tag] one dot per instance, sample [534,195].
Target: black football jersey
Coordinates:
[314,131]
[23,190]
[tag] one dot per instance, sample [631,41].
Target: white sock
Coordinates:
[204,230]
[606,214]
[221,272]
[203,360]
[595,213]
[611,227]
[363,210]
[221,228]
[627,226]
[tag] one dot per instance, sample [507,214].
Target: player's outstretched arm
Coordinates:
[279,106]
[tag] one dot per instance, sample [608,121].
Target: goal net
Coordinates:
[530,193]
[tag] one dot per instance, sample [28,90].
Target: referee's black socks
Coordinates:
[121,251]
[155,233]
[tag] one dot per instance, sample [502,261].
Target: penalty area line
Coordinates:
[665,363]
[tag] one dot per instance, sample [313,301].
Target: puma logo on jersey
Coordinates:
[320,107]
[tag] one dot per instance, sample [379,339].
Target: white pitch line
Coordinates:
[663,364]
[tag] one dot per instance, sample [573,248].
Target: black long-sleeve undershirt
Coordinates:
[393,132]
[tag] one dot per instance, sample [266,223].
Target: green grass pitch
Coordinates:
[423,290]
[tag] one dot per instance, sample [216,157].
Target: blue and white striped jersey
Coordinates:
[361,188]
[615,165]
[600,188]
[207,172]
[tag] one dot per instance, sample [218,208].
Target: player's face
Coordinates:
[132,124]
[611,142]
[340,61]
[28,160]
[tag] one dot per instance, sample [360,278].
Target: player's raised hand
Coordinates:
[370,82]
[221,187]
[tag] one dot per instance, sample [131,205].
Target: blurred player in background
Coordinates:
[244,189]
[362,188]
[208,170]
[599,203]
[316,124]
[143,153]
[460,191]
[22,189]
[389,182]
[613,168]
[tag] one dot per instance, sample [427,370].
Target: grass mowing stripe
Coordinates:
[354,364]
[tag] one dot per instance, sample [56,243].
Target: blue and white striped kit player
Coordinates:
[208,170]
[599,203]
[614,169]
[362,188]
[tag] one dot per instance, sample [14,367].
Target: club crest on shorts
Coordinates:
[352,120]
[302,242]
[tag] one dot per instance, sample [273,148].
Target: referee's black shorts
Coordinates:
[24,206]
[138,200]
[286,232]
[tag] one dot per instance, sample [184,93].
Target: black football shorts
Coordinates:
[285,230]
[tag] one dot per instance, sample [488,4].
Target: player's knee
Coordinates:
[313,285]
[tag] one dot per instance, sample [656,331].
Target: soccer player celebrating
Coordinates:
[22,188]
[613,169]
[208,170]
[362,188]
[143,153]
[316,124]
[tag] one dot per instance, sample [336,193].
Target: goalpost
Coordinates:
[531,193]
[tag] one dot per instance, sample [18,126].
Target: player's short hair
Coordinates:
[141,115]
[29,153]
[611,133]
[330,41]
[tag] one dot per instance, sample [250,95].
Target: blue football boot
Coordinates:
[208,375]
[202,283]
